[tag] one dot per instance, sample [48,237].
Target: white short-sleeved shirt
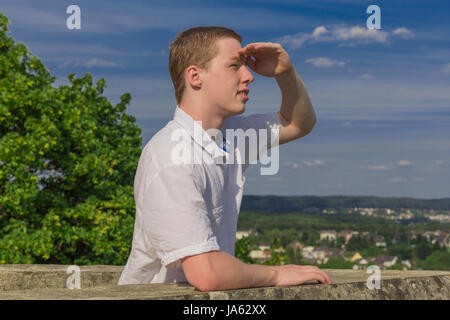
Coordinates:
[187,208]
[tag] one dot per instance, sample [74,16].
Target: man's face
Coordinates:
[226,76]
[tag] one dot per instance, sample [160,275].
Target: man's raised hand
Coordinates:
[271,59]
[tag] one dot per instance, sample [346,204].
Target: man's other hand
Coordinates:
[217,270]
[291,275]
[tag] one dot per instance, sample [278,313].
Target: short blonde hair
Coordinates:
[195,46]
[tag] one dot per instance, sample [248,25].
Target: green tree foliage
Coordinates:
[402,250]
[372,251]
[242,250]
[438,260]
[67,163]
[337,263]
[328,243]
[397,266]
[277,254]
[423,250]
[358,243]
[295,256]
[339,242]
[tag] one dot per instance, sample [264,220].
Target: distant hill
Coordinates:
[315,204]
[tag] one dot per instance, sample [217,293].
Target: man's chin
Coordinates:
[240,109]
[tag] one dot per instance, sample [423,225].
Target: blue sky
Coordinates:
[382,98]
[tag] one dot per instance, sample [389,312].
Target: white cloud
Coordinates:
[317,162]
[322,62]
[366,76]
[359,34]
[91,63]
[318,31]
[293,165]
[293,41]
[404,163]
[342,34]
[94,62]
[403,33]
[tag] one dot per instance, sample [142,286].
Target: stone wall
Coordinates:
[100,282]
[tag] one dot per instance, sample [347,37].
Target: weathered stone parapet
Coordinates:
[38,276]
[99,282]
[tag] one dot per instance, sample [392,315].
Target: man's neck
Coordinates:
[208,119]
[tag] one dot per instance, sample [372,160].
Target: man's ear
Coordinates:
[193,76]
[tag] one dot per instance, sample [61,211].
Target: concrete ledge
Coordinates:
[35,276]
[48,282]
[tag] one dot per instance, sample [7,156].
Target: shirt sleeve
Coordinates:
[175,215]
[267,126]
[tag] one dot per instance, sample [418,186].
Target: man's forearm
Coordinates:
[296,106]
[218,270]
[231,273]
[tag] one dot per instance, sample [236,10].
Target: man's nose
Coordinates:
[247,76]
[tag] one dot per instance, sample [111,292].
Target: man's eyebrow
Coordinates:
[240,59]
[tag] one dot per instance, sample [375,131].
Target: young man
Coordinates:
[187,211]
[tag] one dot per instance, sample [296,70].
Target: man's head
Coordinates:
[202,68]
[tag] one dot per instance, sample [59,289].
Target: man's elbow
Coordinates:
[199,272]
[307,129]
[207,285]
[313,124]
[206,282]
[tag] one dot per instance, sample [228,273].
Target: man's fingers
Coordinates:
[310,276]
[325,276]
[297,274]
[249,49]
[316,269]
[319,275]
[250,62]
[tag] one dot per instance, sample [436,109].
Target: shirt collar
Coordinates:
[199,135]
